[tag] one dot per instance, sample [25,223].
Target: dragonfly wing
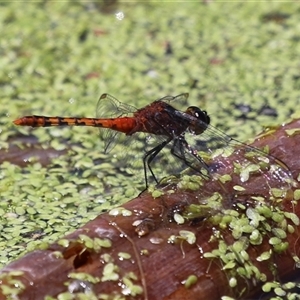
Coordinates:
[109,107]
[181,99]
[246,161]
[110,138]
[130,151]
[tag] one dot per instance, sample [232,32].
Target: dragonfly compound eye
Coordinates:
[203,119]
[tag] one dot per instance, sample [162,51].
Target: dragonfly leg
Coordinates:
[148,158]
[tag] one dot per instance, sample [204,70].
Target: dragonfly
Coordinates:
[164,130]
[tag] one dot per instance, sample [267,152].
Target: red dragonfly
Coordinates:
[162,127]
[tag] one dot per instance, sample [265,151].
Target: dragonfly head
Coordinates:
[195,126]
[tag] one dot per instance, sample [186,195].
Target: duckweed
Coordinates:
[190,281]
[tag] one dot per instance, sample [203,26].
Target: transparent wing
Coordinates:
[109,107]
[248,162]
[180,99]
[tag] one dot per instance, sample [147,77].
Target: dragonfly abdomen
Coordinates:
[42,121]
[125,124]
